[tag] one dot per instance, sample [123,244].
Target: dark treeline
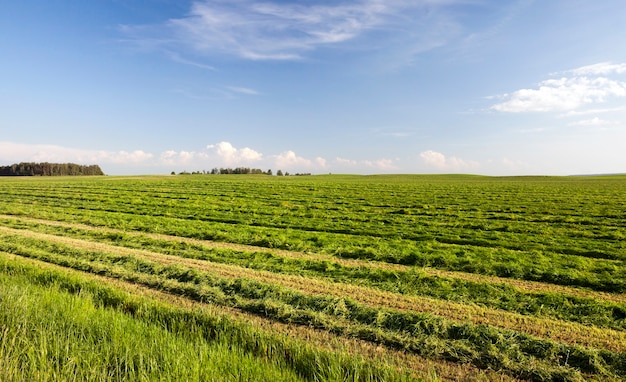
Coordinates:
[238,170]
[49,169]
[218,171]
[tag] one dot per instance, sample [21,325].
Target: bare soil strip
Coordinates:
[567,332]
[423,368]
[523,285]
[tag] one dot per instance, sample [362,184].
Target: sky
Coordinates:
[490,87]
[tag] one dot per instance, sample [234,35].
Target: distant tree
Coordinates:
[279,173]
[269,172]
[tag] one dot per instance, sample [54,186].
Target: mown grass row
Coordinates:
[410,281]
[567,332]
[61,326]
[484,346]
[560,269]
[478,211]
[473,207]
[562,231]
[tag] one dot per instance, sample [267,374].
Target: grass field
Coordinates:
[331,277]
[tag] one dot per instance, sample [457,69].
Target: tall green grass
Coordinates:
[51,335]
[60,326]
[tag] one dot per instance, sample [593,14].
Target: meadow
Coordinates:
[326,277]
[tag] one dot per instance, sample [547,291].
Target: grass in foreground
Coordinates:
[55,326]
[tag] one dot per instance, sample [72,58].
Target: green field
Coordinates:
[253,277]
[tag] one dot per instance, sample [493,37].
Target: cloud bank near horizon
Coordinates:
[221,154]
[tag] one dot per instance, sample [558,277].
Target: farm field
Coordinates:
[253,277]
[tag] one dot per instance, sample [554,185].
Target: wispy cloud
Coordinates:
[596,121]
[217,93]
[272,30]
[513,10]
[602,68]
[178,58]
[578,113]
[587,85]
[277,30]
[241,90]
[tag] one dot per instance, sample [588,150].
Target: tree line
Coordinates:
[49,169]
[238,170]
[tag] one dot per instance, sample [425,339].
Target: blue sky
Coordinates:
[435,86]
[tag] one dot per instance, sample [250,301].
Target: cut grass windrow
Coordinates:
[117,237]
[425,369]
[423,334]
[542,327]
[457,253]
[386,277]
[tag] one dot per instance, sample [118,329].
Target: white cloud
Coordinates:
[596,121]
[381,164]
[346,162]
[602,68]
[587,85]
[233,156]
[576,113]
[121,157]
[17,152]
[532,130]
[178,158]
[248,154]
[515,165]
[434,158]
[562,94]
[290,160]
[441,162]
